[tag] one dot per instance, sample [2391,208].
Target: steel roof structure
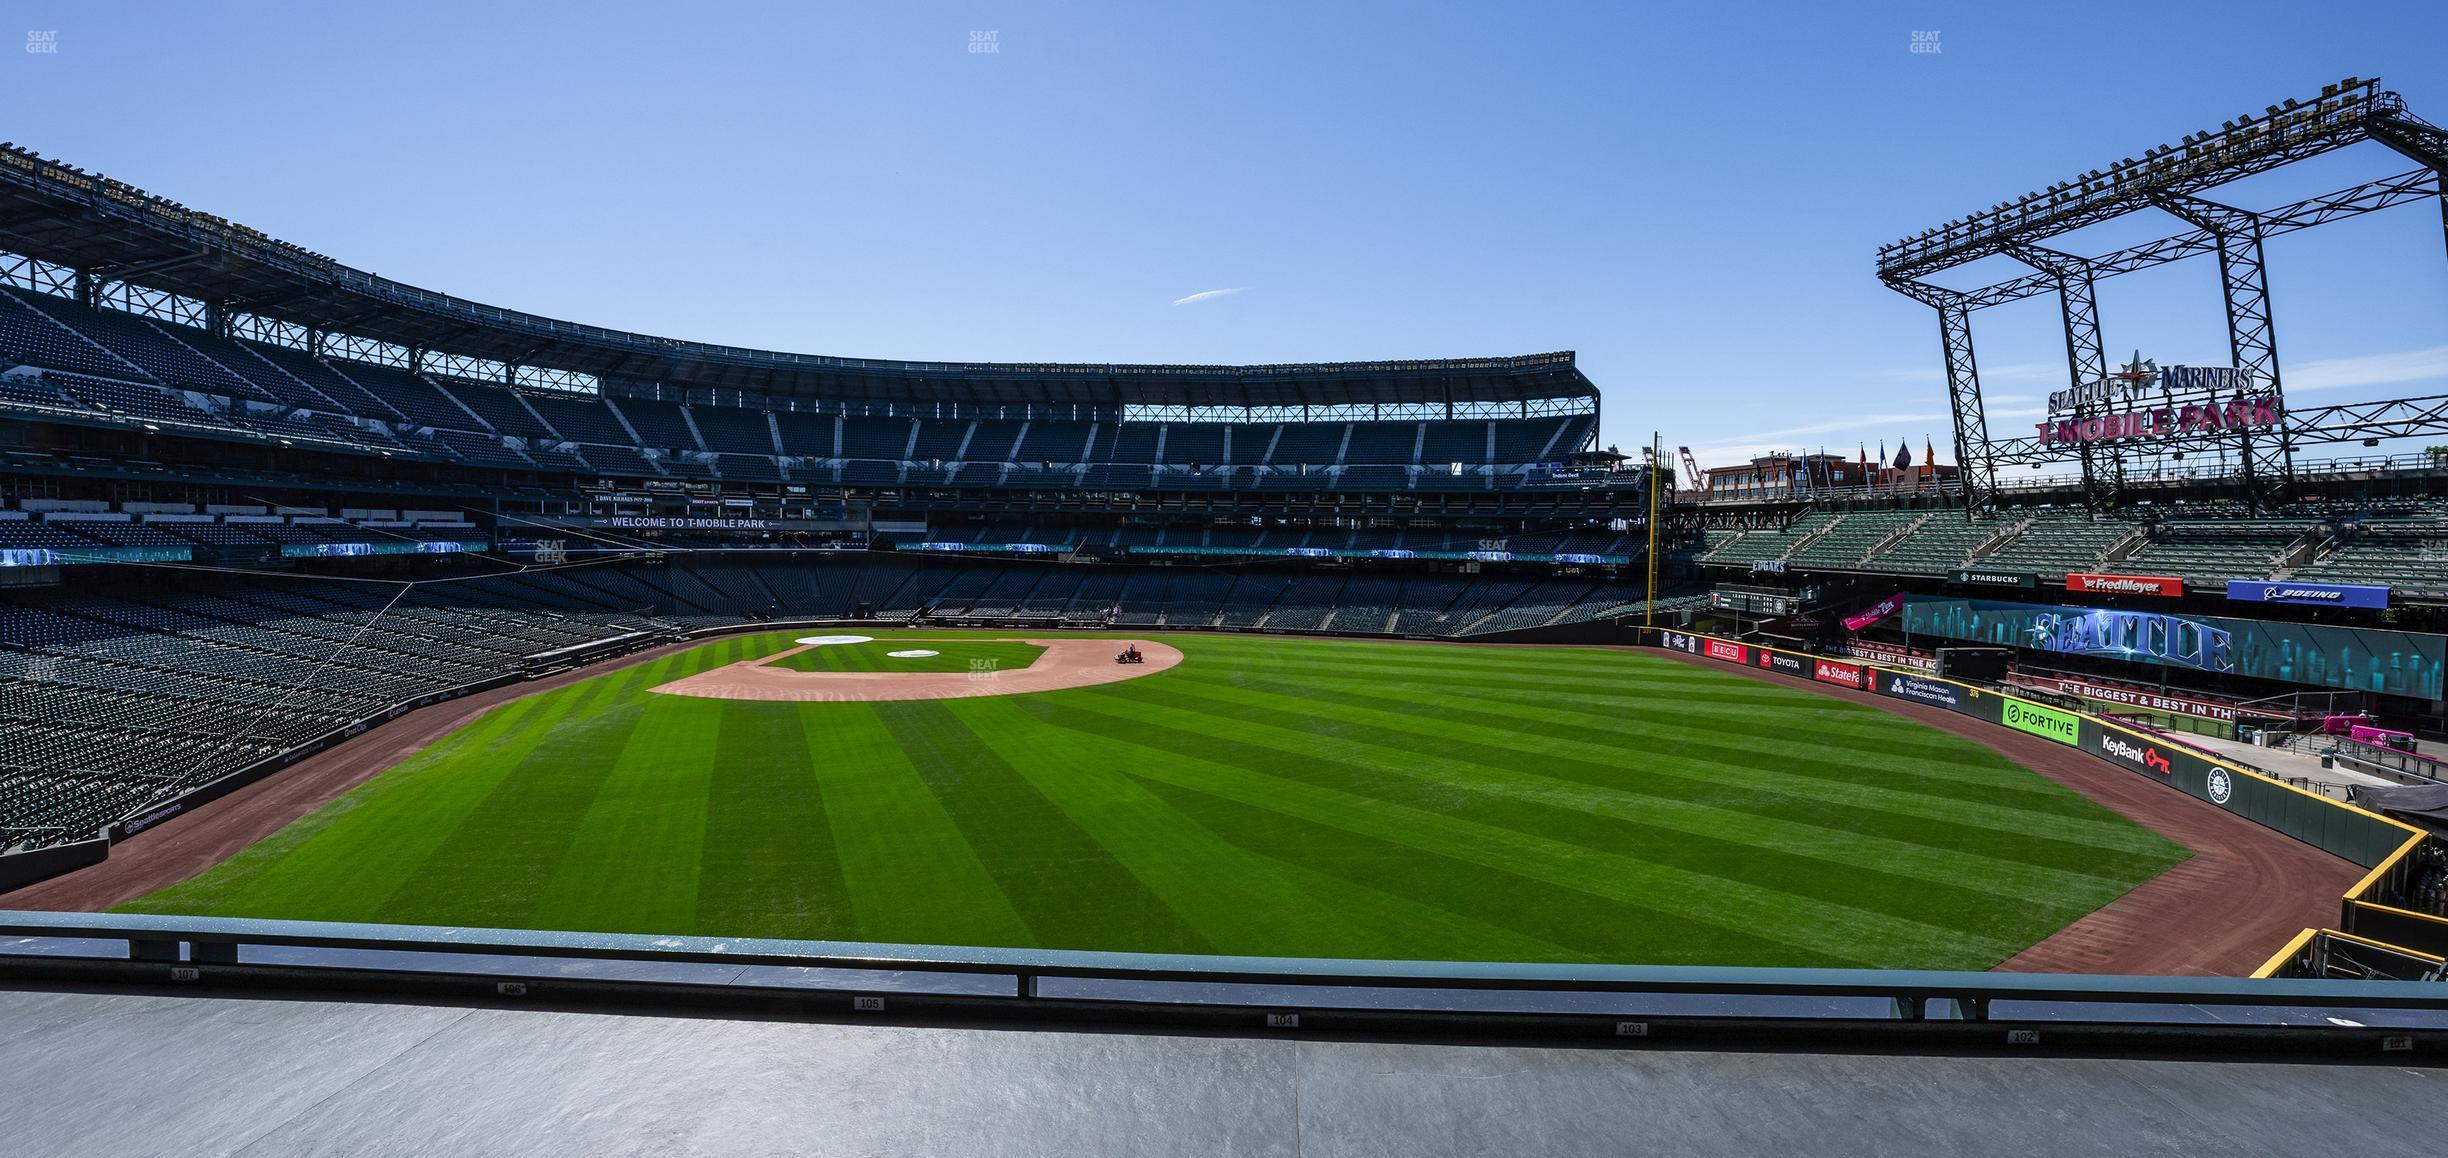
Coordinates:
[109,231]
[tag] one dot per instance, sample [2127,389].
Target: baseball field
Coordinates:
[1266,796]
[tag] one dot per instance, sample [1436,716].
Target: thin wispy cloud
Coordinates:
[2001,372]
[2347,373]
[1206,295]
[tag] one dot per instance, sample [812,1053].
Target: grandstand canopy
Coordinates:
[112,231]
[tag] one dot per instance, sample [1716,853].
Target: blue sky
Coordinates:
[1690,196]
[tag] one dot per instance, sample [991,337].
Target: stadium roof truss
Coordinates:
[2173,179]
[88,236]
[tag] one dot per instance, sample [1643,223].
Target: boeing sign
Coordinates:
[2314,594]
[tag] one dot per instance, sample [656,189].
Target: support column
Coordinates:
[1972,457]
[2086,357]
[2267,460]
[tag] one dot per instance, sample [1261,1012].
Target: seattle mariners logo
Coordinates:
[2220,786]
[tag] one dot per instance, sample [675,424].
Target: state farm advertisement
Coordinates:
[1831,672]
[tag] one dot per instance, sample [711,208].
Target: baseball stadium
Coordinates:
[357,638]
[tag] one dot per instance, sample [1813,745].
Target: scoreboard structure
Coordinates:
[2138,422]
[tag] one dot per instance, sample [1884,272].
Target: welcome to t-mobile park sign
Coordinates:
[2144,400]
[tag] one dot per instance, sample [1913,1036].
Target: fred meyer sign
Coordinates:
[2125,584]
[2047,723]
[2316,594]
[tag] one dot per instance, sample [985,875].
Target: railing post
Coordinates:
[152,949]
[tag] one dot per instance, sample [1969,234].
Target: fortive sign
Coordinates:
[2316,594]
[2125,584]
[2047,723]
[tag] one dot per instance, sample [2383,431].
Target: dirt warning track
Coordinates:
[1065,663]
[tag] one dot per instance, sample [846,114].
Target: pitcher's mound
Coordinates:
[1065,663]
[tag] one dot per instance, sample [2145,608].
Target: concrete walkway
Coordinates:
[2289,763]
[128,1075]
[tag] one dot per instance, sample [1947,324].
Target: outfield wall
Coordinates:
[2395,852]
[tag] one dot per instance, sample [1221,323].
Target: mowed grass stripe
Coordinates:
[332,875]
[1822,932]
[490,868]
[1873,779]
[1240,900]
[768,859]
[1879,736]
[911,875]
[1700,833]
[1271,795]
[261,877]
[1591,928]
[1742,781]
[1037,856]
[1850,749]
[1449,790]
[633,864]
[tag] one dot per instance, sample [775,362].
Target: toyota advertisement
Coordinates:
[1780,662]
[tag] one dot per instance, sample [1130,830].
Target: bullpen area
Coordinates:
[1249,796]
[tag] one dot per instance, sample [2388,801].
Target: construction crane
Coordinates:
[1691,470]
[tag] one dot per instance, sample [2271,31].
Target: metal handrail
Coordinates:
[212,941]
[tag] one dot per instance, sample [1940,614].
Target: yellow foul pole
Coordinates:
[1649,608]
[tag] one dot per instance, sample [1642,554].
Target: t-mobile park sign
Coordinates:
[2142,399]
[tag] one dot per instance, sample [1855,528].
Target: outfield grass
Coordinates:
[1268,796]
[959,655]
